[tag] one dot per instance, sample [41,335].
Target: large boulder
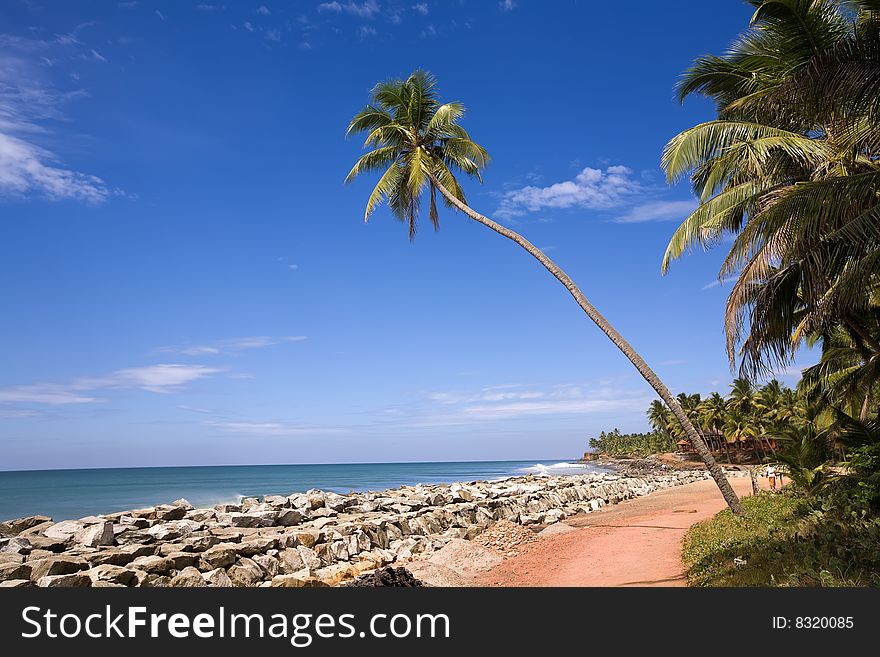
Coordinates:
[270,565]
[219,556]
[166,512]
[245,572]
[218,577]
[64,530]
[235,519]
[291,560]
[96,535]
[289,518]
[181,560]
[189,577]
[18,525]
[57,565]
[16,545]
[112,574]
[153,565]
[78,580]
[11,571]
[309,557]
[258,545]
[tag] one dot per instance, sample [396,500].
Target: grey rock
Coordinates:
[16,584]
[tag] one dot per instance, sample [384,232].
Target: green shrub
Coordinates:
[786,541]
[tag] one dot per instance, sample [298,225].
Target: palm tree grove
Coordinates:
[787,183]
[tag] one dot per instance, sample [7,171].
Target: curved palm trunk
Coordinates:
[693,435]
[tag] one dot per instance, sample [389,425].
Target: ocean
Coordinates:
[70,494]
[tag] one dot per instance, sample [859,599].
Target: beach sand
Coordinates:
[634,543]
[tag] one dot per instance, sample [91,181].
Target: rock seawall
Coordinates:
[306,539]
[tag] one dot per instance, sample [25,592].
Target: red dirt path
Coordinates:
[634,543]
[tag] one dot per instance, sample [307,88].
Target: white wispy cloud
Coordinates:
[421,8]
[366,9]
[717,283]
[658,211]
[507,5]
[263,10]
[26,168]
[590,189]
[161,378]
[273,428]
[208,7]
[232,345]
[512,401]
[16,414]
[28,107]
[365,31]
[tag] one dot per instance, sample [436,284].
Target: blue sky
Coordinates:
[186,280]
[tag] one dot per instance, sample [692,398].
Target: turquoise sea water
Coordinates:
[68,494]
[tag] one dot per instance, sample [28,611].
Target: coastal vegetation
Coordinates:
[783,540]
[417,146]
[788,175]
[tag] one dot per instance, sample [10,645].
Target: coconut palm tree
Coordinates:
[418,146]
[791,169]
[713,414]
[661,419]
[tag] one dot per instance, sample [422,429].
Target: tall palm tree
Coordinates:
[418,145]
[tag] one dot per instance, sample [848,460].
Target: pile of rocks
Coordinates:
[506,538]
[307,539]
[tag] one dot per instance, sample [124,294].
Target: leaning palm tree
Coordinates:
[418,145]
